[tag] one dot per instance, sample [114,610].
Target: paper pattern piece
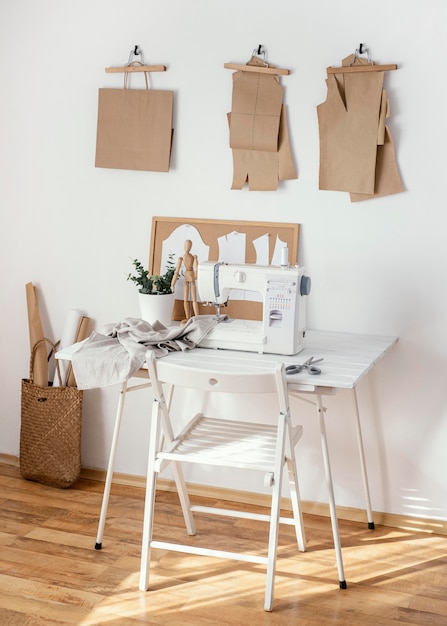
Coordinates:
[261,246]
[134,129]
[232,250]
[232,247]
[387,180]
[356,148]
[176,241]
[175,244]
[259,136]
[255,111]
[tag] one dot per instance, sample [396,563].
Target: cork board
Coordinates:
[222,240]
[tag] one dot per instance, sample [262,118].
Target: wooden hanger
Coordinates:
[346,69]
[136,66]
[254,68]
[255,64]
[360,67]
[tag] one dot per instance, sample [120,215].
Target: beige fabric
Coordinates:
[114,355]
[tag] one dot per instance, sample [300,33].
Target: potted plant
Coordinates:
[156,297]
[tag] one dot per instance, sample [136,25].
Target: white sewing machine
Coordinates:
[283,290]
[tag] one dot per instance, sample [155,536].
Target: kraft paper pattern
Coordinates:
[356,148]
[259,136]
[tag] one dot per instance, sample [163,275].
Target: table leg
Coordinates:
[362,461]
[330,487]
[178,476]
[109,475]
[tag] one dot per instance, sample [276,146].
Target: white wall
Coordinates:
[376,267]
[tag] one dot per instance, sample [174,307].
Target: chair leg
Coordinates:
[177,471]
[184,498]
[149,502]
[147,528]
[296,504]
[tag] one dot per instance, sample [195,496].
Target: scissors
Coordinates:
[308,365]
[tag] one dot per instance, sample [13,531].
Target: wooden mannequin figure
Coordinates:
[189,291]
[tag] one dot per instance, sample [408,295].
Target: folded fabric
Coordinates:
[117,353]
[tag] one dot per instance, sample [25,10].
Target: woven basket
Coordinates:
[50,434]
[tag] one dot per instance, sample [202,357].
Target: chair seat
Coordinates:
[229,443]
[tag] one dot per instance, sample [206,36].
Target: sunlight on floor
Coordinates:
[205,585]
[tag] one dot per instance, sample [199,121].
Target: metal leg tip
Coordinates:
[343,584]
[98,546]
[371,525]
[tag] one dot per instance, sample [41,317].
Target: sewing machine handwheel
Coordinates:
[305,284]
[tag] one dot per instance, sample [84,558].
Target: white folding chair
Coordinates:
[219,442]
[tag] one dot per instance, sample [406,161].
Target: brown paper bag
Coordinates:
[134,129]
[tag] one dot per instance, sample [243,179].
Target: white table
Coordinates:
[347,359]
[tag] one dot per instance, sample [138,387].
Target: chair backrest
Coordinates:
[247,378]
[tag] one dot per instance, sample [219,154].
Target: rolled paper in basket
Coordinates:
[69,337]
[82,334]
[36,334]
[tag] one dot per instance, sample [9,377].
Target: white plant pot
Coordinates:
[157,307]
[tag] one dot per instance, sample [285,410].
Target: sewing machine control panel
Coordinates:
[279,302]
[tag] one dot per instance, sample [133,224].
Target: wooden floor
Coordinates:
[51,574]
